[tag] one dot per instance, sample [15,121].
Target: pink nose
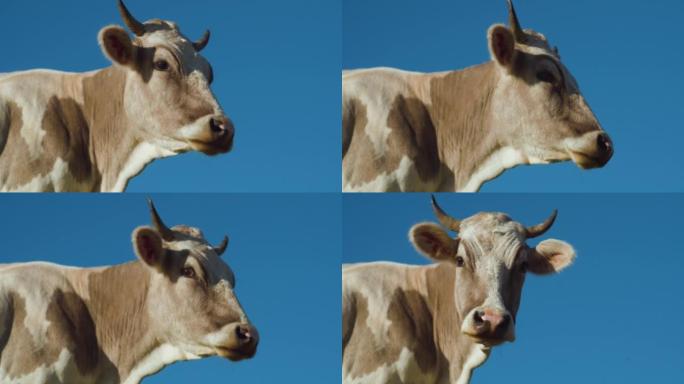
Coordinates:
[491,322]
[222,126]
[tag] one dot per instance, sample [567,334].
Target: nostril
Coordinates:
[504,321]
[243,333]
[216,125]
[478,317]
[603,142]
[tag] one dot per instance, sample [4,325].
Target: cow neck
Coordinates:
[117,298]
[459,103]
[440,281]
[112,141]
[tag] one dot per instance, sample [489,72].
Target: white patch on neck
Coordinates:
[499,161]
[160,357]
[143,154]
[477,356]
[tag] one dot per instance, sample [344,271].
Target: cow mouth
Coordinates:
[213,147]
[236,354]
[587,161]
[488,341]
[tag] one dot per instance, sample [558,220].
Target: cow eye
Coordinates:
[459,261]
[188,272]
[546,76]
[523,267]
[161,65]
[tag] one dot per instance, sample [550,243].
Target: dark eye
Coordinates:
[459,261]
[523,267]
[161,65]
[188,272]
[546,76]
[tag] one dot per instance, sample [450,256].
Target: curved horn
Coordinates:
[444,219]
[222,247]
[539,229]
[514,23]
[202,42]
[163,230]
[134,25]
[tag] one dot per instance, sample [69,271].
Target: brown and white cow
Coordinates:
[453,131]
[437,323]
[122,323]
[95,131]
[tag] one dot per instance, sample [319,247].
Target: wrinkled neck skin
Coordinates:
[118,149]
[126,335]
[460,105]
[462,354]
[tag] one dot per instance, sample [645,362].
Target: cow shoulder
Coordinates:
[387,326]
[388,132]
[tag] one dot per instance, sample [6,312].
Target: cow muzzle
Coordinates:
[592,150]
[489,326]
[241,343]
[214,135]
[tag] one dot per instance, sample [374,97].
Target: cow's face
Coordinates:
[192,294]
[538,104]
[167,95]
[491,259]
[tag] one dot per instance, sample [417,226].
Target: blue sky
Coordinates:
[284,250]
[276,67]
[624,54]
[611,317]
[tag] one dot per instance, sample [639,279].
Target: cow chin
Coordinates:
[236,354]
[488,341]
[212,148]
[586,161]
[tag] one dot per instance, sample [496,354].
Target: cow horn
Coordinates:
[163,230]
[134,25]
[202,42]
[446,220]
[539,229]
[514,23]
[222,247]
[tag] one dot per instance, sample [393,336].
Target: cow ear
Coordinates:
[432,241]
[501,45]
[117,45]
[148,247]
[550,256]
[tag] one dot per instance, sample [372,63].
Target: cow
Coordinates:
[455,130]
[437,323]
[95,131]
[121,323]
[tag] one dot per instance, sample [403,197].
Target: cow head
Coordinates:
[491,259]
[540,109]
[167,93]
[193,292]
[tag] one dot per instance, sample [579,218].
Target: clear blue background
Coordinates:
[614,316]
[284,250]
[626,56]
[277,75]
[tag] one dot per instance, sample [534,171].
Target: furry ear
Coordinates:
[148,247]
[501,45]
[550,256]
[117,45]
[432,241]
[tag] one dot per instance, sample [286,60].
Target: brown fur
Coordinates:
[354,139]
[105,114]
[459,110]
[67,136]
[123,332]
